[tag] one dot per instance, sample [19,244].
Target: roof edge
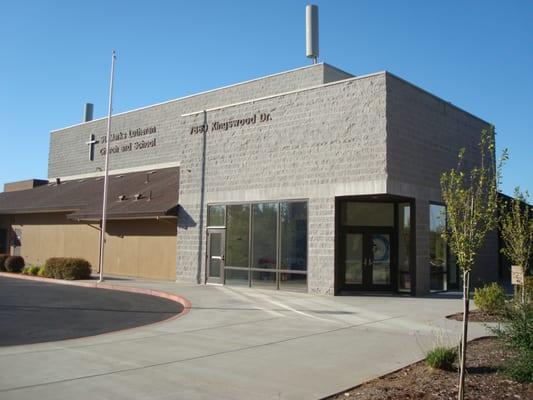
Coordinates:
[322,85]
[338,69]
[449,103]
[320,64]
[117,171]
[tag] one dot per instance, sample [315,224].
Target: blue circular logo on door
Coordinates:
[381,248]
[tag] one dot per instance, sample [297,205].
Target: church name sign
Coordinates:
[140,139]
[231,123]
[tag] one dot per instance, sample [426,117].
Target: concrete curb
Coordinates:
[109,286]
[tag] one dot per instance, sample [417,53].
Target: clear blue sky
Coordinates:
[55,56]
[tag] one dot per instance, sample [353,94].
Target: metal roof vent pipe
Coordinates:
[88,112]
[311,32]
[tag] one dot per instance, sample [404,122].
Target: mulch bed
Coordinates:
[476,316]
[484,380]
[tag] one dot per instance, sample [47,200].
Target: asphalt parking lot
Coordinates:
[35,312]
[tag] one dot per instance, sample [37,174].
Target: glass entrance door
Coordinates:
[379,260]
[215,255]
[367,260]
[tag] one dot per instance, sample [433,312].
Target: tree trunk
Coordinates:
[464,338]
[523,286]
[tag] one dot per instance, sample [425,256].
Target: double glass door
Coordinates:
[367,259]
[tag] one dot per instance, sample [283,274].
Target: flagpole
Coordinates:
[106,171]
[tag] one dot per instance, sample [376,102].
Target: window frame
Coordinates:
[447,250]
[278,271]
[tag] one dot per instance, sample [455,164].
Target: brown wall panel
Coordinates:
[140,248]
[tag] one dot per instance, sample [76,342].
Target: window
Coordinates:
[266,243]
[367,214]
[215,216]
[293,230]
[264,228]
[237,235]
[438,260]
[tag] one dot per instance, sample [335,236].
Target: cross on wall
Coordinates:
[92,141]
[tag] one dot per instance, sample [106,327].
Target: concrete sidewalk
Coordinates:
[237,344]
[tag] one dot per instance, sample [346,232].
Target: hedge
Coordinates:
[14,264]
[3,258]
[67,268]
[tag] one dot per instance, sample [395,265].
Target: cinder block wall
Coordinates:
[424,136]
[320,143]
[68,153]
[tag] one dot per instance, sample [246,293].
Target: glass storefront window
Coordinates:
[293,230]
[236,276]
[264,234]
[367,214]
[237,235]
[437,247]
[293,282]
[404,244]
[277,228]
[264,279]
[215,215]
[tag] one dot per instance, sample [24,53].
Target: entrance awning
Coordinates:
[146,194]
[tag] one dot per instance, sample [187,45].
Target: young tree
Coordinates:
[471,202]
[516,227]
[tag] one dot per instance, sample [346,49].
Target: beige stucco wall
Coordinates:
[140,248]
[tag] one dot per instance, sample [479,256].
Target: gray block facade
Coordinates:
[316,134]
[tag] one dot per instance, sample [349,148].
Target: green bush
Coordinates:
[517,329]
[441,357]
[3,258]
[520,368]
[34,270]
[26,270]
[490,298]
[14,264]
[67,268]
[516,333]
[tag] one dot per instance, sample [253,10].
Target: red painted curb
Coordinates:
[109,286]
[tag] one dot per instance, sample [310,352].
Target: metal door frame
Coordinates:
[215,280]
[367,233]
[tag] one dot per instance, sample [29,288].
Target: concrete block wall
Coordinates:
[68,152]
[333,74]
[321,278]
[424,136]
[319,143]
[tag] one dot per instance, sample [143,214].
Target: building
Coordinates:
[310,179]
